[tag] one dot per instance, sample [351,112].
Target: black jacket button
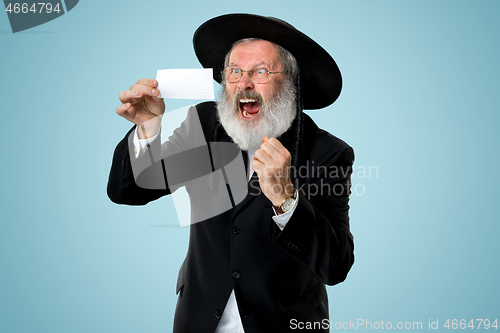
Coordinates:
[236,275]
[236,230]
[218,315]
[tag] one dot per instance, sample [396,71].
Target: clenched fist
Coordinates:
[272,163]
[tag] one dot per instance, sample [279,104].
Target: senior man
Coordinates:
[262,265]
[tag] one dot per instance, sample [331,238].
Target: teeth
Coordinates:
[245,114]
[247,100]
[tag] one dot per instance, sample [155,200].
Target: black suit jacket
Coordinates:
[277,276]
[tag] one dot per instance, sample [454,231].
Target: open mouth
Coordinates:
[249,108]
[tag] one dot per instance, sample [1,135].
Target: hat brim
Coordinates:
[320,78]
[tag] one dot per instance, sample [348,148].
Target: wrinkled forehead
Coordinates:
[255,53]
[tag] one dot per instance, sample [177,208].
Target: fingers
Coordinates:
[263,157]
[272,164]
[123,109]
[147,87]
[136,93]
[143,87]
[275,143]
[274,151]
[257,165]
[148,82]
[272,159]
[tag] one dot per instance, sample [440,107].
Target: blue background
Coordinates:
[421,81]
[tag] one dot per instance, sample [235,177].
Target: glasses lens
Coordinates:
[259,75]
[233,74]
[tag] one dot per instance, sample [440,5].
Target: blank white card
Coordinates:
[185,83]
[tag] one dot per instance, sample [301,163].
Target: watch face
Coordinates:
[287,204]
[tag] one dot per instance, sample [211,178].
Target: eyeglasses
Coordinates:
[258,75]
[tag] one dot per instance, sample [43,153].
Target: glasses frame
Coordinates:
[250,73]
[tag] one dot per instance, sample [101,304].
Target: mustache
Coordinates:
[249,94]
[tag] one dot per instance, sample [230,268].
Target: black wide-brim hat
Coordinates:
[320,78]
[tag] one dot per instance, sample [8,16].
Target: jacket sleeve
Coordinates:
[162,167]
[317,235]
[122,186]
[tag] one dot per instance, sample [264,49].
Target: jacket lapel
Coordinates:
[254,191]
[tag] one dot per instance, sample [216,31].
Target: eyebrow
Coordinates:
[260,64]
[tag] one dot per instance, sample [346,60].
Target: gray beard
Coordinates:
[275,118]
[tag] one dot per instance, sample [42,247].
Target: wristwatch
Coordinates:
[286,205]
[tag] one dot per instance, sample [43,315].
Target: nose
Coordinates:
[245,82]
